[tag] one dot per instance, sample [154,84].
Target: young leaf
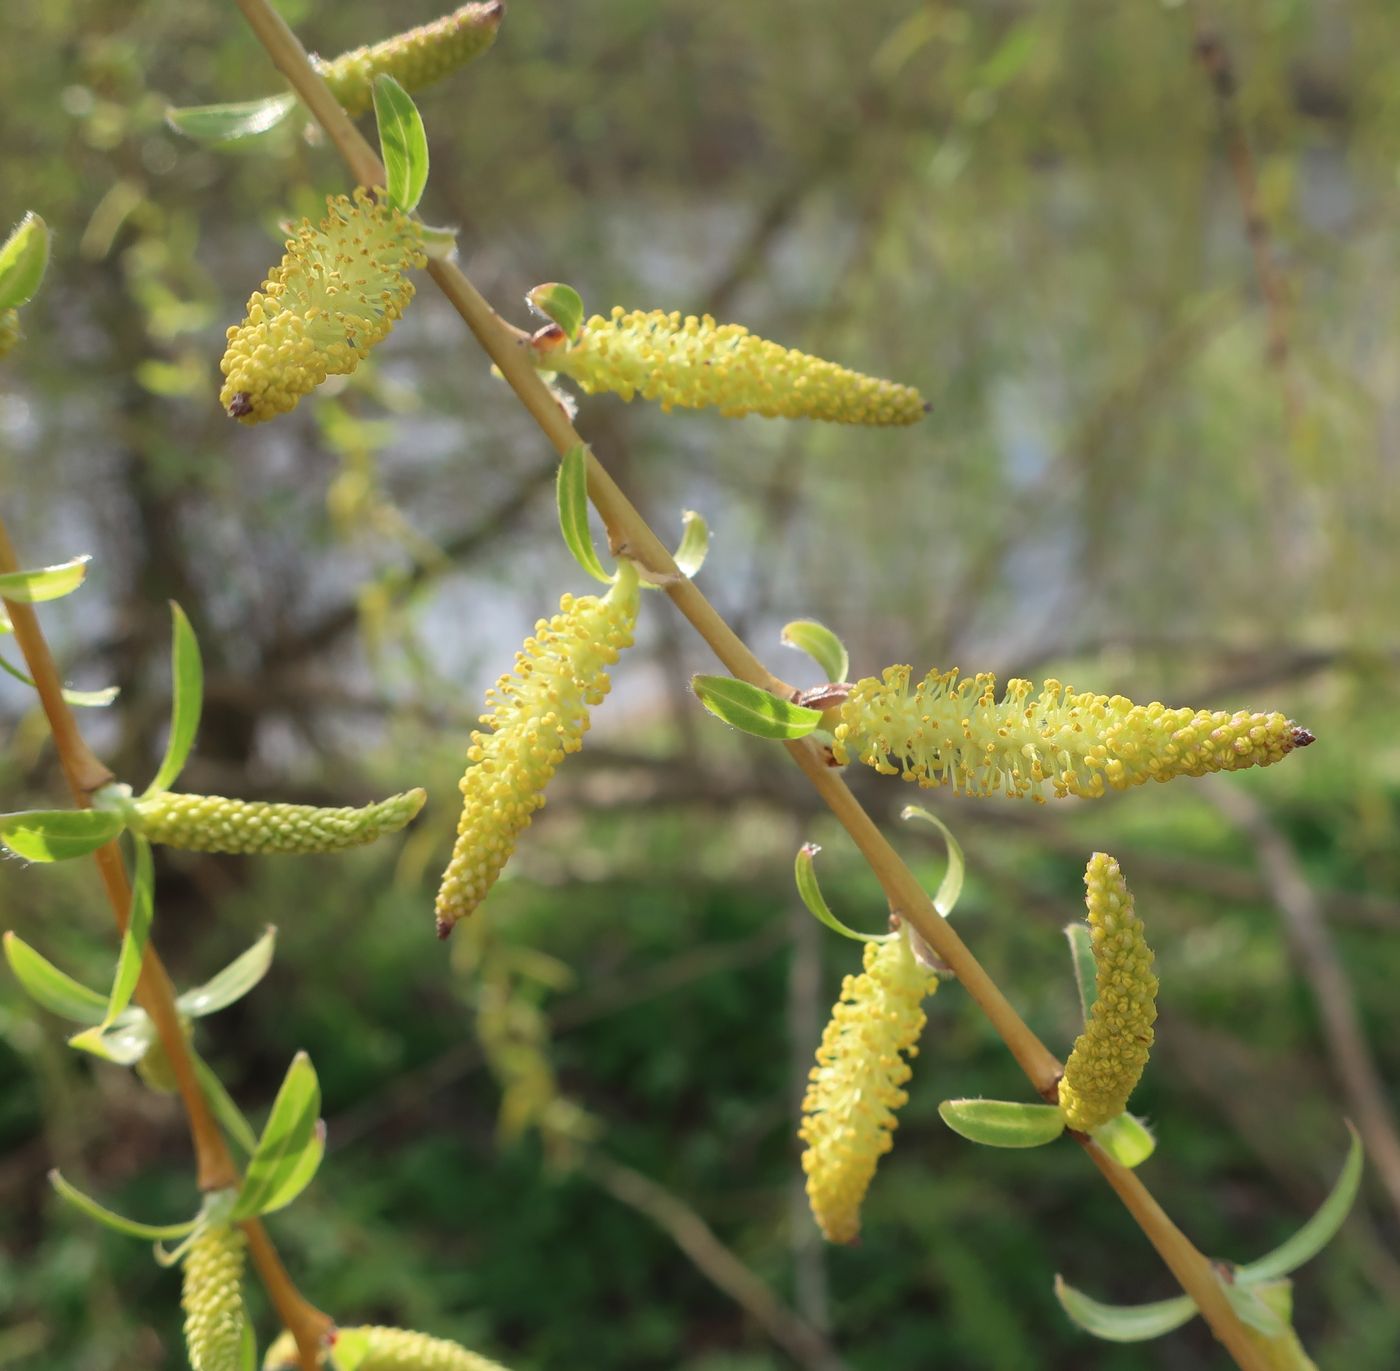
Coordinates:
[694,544]
[23,259]
[571,490]
[219,125]
[123,1043]
[187,700]
[821,645]
[57,835]
[248,1349]
[1124,1322]
[291,1132]
[403,144]
[82,699]
[812,897]
[48,986]
[233,982]
[1126,1139]
[221,1102]
[1003,1123]
[1319,1230]
[156,1232]
[950,887]
[560,303]
[133,948]
[1081,951]
[753,710]
[292,1180]
[44,583]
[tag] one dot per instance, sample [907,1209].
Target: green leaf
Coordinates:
[1319,1230]
[24,256]
[694,545]
[821,645]
[1126,1139]
[123,1043]
[559,303]
[1124,1322]
[187,699]
[1258,1313]
[138,932]
[1081,951]
[233,982]
[572,493]
[950,887]
[403,143]
[155,1232]
[221,1102]
[1003,1123]
[218,125]
[753,710]
[45,582]
[58,835]
[48,986]
[812,897]
[83,699]
[290,1134]
[248,1348]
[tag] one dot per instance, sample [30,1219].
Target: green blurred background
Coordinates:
[1162,461]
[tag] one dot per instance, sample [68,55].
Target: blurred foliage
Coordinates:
[1029,212]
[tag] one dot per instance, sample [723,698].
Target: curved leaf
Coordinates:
[753,710]
[1003,1123]
[156,1232]
[821,645]
[58,835]
[694,545]
[1126,1139]
[560,304]
[1081,953]
[403,143]
[571,491]
[221,1102]
[216,125]
[806,873]
[950,887]
[1124,1322]
[46,985]
[290,1133]
[187,699]
[233,982]
[137,934]
[24,256]
[45,582]
[123,1043]
[81,699]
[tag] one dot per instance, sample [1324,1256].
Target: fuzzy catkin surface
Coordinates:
[213,1300]
[390,1349]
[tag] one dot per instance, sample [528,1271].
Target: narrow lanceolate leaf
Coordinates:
[46,985]
[187,699]
[807,886]
[571,491]
[950,887]
[694,545]
[1319,1230]
[154,1232]
[1003,1123]
[1081,951]
[1126,1139]
[219,125]
[44,583]
[821,645]
[753,710]
[233,982]
[221,1102]
[24,256]
[560,303]
[403,143]
[134,939]
[124,1043]
[291,1133]
[58,835]
[82,699]
[1124,1322]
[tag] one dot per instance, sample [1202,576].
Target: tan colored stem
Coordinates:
[630,534]
[307,1324]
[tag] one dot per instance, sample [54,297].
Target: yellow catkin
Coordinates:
[337,292]
[956,733]
[415,58]
[213,1299]
[211,823]
[387,1349]
[539,714]
[857,1083]
[1109,1056]
[9,330]
[694,363]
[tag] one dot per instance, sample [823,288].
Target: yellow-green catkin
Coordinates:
[539,713]
[9,330]
[213,1299]
[388,1349]
[694,363]
[211,823]
[1109,1056]
[956,733]
[338,291]
[415,58]
[857,1083]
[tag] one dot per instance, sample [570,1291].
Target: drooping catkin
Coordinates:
[957,733]
[212,823]
[1109,1056]
[539,714]
[694,363]
[415,58]
[857,1083]
[336,293]
[388,1349]
[213,1299]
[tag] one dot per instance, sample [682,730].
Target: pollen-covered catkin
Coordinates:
[692,363]
[957,733]
[539,714]
[415,58]
[389,1349]
[1109,1056]
[211,823]
[856,1085]
[213,1299]
[337,292]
